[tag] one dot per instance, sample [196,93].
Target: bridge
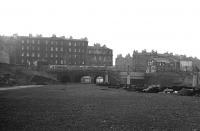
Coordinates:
[66,73]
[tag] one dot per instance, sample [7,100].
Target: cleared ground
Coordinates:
[89,107]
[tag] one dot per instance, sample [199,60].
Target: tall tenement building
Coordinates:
[124,63]
[29,50]
[54,50]
[99,55]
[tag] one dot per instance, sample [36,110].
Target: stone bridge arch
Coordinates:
[74,76]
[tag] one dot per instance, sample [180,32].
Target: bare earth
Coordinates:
[89,107]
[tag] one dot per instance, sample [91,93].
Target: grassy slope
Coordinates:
[87,107]
[22,74]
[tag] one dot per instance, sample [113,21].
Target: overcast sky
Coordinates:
[123,25]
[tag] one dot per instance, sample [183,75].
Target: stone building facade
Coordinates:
[8,49]
[30,51]
[161,64]
[54,50]
[140,60]
[124,63]
[98,55]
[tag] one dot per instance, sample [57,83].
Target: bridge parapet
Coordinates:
[58,68]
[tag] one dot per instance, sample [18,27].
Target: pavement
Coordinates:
[19,87]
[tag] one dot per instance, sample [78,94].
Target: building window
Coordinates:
[51,48]
[33,54]
[22,61]
[46,42]
[56,55]
[27,41]
[56,62]
[33,41]
[83,62]
[27,47]
[22,41]
[61,49]
[52,42]
[56,48]
[69,49]
[38,42]
[38,48]
[27,54]
[22,53]
[51,55]
[61,42]
[75,56]
[74,43]
[61,62]
[70,43]
[38,54]
[22,47]
[74,50]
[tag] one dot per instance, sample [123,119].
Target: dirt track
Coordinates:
[88,107]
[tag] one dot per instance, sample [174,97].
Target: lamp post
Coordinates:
[128,78]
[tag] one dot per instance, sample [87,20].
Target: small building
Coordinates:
[162,65]
[186,65]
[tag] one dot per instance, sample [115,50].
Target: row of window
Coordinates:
[29,48]
[46,55]
[52,49]
[57,62]
[161,64]
[34,62]
[101,58]
[53,42]
[100,52]
[32,54]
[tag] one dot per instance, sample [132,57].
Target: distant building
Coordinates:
[7,49]
[4,54]
[98,55]
[140,60]
[162,65]
[186,65]
[124,63]
[55,50]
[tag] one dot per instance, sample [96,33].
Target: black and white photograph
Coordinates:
[99,65]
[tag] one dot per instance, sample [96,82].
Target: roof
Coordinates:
[97,47]
[41,37]
[164,60]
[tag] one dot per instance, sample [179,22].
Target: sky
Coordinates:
[122,25]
